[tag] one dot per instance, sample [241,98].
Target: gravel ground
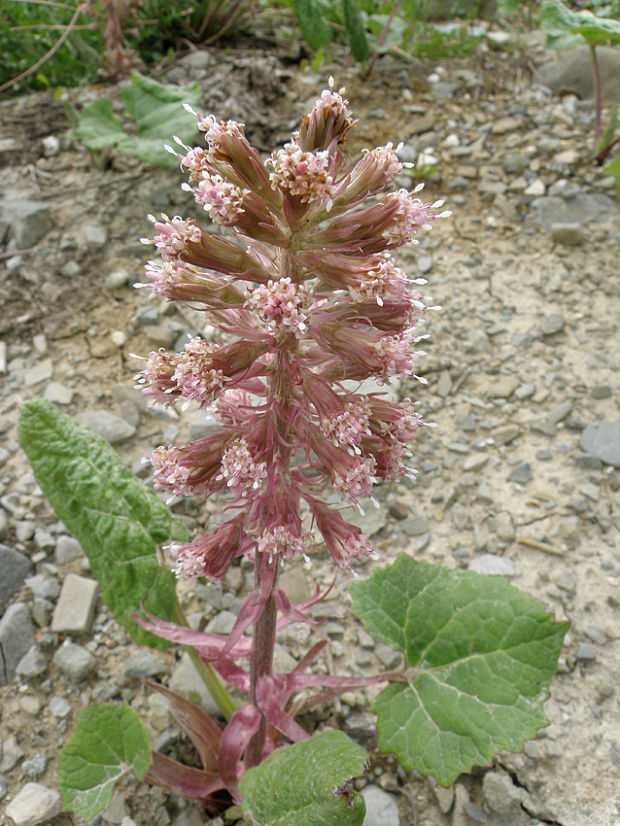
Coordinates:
[518,478]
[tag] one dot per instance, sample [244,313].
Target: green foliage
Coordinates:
[613,168]
[315,30]
[153,112]
[316,791]
[565,28]
[117,520]
[358,42]
[479,654]
[607,135]
[29,30]
[107,742]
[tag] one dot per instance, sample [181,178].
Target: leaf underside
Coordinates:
[108,740]
[480,654]
[302,784]
[117,520]
[565,27]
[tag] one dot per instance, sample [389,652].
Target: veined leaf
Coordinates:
[562,26]
[480,656]
[108,740]
[315,29]
[306,784]
[117,520]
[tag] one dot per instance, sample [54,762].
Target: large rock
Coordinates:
[29,221]
[16,637]
[33,804]
[572,72]
[15,568]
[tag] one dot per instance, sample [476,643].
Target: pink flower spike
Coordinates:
[346,543]
[210,555]
[190,470]
[221,199]
[239,467]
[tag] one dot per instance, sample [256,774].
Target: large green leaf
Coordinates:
[117,520]
[356,31]
[107,742]
[315,29]
[563,26]
[154,112]
[480,656]
[306,784]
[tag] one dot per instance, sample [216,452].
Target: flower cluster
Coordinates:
[305,296]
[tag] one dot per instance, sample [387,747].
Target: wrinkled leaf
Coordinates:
[315,29]
[356,31]
[563,26]
[107,742]
[316,790]
[117,520]
[480,656]
[154,112]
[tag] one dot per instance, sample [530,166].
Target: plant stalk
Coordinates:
[261,662]
[206,672]
[598,94]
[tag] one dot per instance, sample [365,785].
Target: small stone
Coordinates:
[186,681]
[43,371]
[475,812]
[391,659]
[559,412]
[522,474]
[58,393]
[29,220]
[444,385]
[59,707]
[525,391]
[504,527]
[475,463]
[112,428]
[504,387]
[74,661]
[601,391]
[76,605]
[569,235]
[591,491]
[33,804]
[67,549]
[32,664]
[586,651]
[16,637]
[381,807]
[116,279]
[602,440]
[294,583]
[567,581]
[492,565]
[222,623]
[95,236]
[505,435]
[15,569]
[11,753]
[414,526]
[552,324]
[30,705]
[142,665]
[501,794]
[34,766]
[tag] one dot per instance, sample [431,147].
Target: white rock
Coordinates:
[76,605]
[33,804]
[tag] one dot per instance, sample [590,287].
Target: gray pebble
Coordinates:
[112,428]
[32,664]
[15,569]
[67,549]
[522,474]
[142,665]
[391,659]
[43,371]
[552,324]
[602,440]
[34,766]
[586,651]
[58,393]
[95,236]
[59,707]
[33,804]
[492,565]
[16,637]
[74,661]
[559,412]
[381,807]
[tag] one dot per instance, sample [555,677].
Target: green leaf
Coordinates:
[607,135]
[317,789]
[613,168]
[480,656]
[156,114]
[356,31]
[315,30]
[108,740]
[562,25]
[117,520]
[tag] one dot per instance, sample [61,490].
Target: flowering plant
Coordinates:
[308,303]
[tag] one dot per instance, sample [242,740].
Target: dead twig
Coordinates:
[540,546]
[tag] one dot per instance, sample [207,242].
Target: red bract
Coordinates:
[304,296]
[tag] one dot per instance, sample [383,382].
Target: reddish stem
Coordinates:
[261,659]
[598,95]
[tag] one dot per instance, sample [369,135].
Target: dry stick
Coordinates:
[46,56]
[460,380]
[597,93]
[540,546]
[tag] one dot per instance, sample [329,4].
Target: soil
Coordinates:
[497,370]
